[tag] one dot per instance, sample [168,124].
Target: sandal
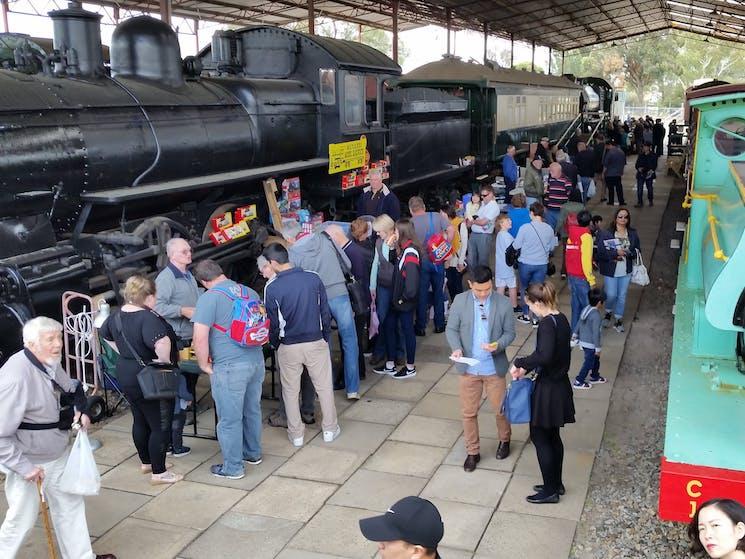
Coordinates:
[165,478]
[148,468]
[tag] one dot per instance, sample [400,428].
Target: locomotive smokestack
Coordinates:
[77,36]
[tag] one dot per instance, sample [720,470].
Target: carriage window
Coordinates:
[732,144]
[371,100]
[327,79]
[353,100]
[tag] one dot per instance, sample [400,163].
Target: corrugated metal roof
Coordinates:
[351,53]
[452,69]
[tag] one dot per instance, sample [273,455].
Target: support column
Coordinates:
[562,63]
[359,33]
[532,57]
[512,50]
[486,39]
[311,18]
[196,33]
[166,10]
[116,15]
[4,10]
[550,51]
[448,16]
[395,30]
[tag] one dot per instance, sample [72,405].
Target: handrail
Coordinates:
[711,218]
[738,180]
[595,130]
[572,126]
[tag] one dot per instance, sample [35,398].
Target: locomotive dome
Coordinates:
[134,45]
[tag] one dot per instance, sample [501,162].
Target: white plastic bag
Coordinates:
[81,476]
[591,189]
[639,274]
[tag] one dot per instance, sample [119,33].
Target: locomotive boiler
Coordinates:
[100,166]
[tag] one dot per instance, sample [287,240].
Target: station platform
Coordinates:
[402,438]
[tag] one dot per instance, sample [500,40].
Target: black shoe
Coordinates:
[405,372]
[420,332]
[439,330]
[539,488]
[308,418]
[541,499]
[471,460]
[339,385]
[503,450]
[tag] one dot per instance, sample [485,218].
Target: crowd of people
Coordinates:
[474,270]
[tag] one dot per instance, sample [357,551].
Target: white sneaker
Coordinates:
[574,342]
[329,436]
[353,396]
[297,442]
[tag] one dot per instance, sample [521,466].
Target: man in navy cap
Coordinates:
[411,529]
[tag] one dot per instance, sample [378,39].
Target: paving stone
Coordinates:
[128,477]
[406,459]
[576,470]
[134,539]
[283,497]
[410,390]
[274,440]
[464,524]
[512,535]
[427,430]
[435,353]
[241,535]
[192,505]
[115,447]
[488,425]
[439,405]
[587,432]
[254,474]
[358,436]
[322,463]
[429,371]
[288,553]
[108,508]
[480,487]
[368,489]
[202,450]
[35,545]
[372,410]
[569,507]
[451,553]
[335,530]
[122,422]
[448,384]
[488,454]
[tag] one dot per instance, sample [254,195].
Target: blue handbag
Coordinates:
[516,404]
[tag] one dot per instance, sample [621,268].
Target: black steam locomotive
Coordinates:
[100,166]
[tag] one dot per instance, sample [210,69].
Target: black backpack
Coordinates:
[386,269]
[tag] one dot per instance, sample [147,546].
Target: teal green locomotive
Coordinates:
[704,454]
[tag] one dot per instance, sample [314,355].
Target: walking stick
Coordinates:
[47,525]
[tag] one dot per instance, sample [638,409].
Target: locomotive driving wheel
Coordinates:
[156,232]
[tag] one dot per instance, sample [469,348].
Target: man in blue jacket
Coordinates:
[377,199]
[509,168]
[299,327]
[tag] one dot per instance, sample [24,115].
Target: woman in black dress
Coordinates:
[552,403]
[153,340]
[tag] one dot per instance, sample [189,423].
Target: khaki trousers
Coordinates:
[317,359]
[472,388]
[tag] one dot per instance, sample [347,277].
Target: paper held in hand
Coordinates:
[470,361]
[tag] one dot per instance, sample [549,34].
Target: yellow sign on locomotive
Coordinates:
[347,155]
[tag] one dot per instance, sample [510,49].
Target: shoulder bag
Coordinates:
[358,295]
[516,406]
[639,274]
[550,267]
[158,381]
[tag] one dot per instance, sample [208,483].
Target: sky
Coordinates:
[425,44]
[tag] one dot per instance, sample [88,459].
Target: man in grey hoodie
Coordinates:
[34,444]
[315,252]
[589,333]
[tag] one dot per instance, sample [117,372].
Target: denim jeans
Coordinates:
[552,217]
[406,321]
[615,294]
[529,273]
[591,363]
[579,288]
[585,182]
[640,181]
[433,276]
[236,389]
[383,306]
[341,310]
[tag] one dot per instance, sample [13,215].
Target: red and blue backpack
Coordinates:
[249,324]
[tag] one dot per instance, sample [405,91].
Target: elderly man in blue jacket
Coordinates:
[509,168]
[481,325]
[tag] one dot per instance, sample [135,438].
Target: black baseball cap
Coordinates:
[412,519]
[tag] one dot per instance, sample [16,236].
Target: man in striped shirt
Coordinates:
[557,193]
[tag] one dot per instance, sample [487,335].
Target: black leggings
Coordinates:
[550,452]
[151,430]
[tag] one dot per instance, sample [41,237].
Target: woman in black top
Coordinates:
[153,340]
[552,403]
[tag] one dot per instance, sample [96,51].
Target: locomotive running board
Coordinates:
[130,193]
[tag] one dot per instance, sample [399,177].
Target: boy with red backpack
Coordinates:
[578,258]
